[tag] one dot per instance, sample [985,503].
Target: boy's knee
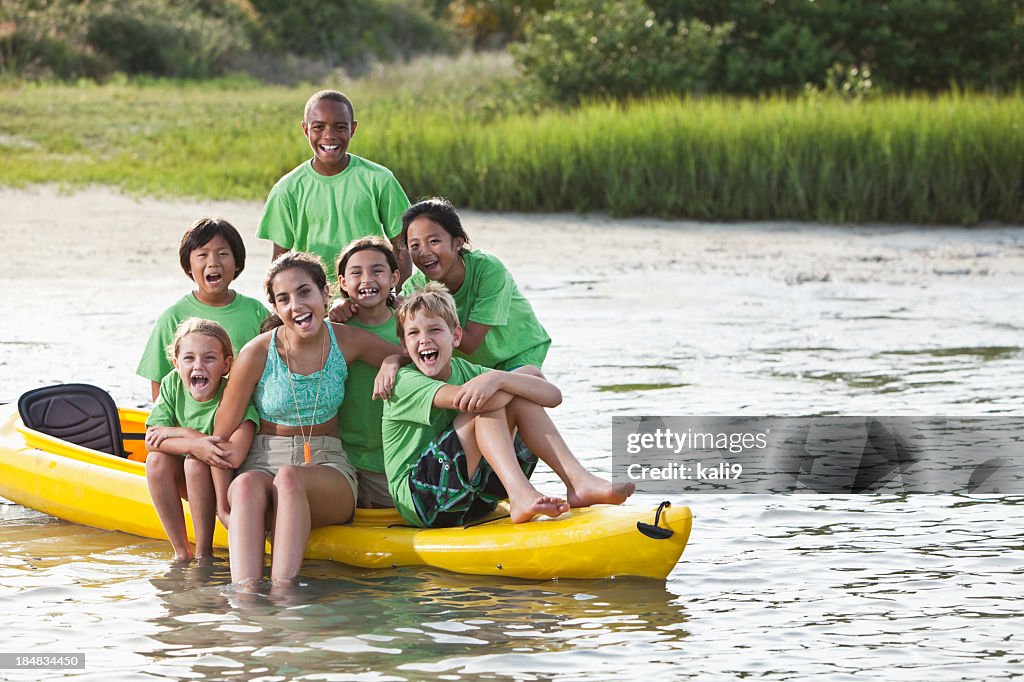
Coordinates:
[530,370]
[518,402]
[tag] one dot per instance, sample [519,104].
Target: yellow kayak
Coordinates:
[92,488]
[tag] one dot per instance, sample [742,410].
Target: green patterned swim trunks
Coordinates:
[446,495]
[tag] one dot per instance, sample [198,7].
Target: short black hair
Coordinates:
[201,232]
[332,95]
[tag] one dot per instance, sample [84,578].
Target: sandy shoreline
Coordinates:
[88,271]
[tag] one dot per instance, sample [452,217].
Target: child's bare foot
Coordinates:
[596,490]
[248,586]
[521,511]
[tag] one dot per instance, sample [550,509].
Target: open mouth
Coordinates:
[199,381]
[330,148]
[214,278]
[303,321]
[428,356]
[429,264]
[368,291]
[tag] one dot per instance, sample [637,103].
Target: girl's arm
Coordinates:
[404,261]
[155,385]
[163,439]
[359,344]
[178,440]
[245,374]
[385,379]
[472,336]
[208,449]
[342,311]
[237,448]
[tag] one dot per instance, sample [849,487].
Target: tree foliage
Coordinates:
[353,33]
[779,45]
[490,23]
[198,39]
[617,48]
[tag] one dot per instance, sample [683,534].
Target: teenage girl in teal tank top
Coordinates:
[297,458]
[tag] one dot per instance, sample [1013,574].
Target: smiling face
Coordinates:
[201,363]
[430,342]
[435,252]
[368,278]
[212,266]
[299,302]
[329,128]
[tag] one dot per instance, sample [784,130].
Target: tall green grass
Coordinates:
[953,159]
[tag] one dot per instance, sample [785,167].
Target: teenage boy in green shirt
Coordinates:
[450,444]
[335,197]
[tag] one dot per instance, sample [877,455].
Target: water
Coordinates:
[648,318]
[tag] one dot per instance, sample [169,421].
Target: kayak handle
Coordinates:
[656,532]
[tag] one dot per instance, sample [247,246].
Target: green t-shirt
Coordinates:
[490,296]
[411,421]
[359,415]
[175,406]
[321,214]
[241,319]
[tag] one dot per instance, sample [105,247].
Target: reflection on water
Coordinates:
[131,610]
[778,587]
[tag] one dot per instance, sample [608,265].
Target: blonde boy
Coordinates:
[450,443]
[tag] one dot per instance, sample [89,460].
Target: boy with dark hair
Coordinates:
[212,254]
[450,443]
[335,197]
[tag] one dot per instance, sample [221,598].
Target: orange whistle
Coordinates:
[305,451]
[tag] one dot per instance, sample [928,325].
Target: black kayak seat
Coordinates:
[78,413]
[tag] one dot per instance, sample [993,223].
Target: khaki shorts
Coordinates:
[270,453]
[373,490]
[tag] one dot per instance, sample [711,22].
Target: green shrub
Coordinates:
[296,39]
[155,37]
[38,39]
[94,38]
[778,45]
[617,48]
[909,44]
[353,33]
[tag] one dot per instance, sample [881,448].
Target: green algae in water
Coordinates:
[625,388]
[984,352]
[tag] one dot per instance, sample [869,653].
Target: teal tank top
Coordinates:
[275,401]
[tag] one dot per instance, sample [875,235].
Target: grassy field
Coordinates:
[460,128]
